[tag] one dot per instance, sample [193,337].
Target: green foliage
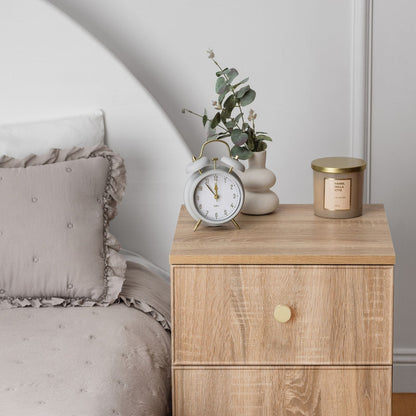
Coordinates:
[240,83]
[231,74]
[248,97]
[240,93]
[216,120]
[238,137]
[263,137]
[221,85]
[230,117]
[242,152]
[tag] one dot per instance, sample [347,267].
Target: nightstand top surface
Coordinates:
[292,235]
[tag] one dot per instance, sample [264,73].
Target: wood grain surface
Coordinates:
[266,391]
[292,235]
[340,315]
[404,404]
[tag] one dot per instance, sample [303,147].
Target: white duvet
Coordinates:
[90,361]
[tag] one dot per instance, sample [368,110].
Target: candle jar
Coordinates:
[338,184]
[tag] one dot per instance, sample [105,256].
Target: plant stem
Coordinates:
[199,115]
[192,112]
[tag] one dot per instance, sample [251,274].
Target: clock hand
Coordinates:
[210,190]
[216,191]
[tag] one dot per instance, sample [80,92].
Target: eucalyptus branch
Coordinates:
[233,92]
[245,138]
[185,110]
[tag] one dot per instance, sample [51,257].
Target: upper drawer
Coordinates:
[226,315]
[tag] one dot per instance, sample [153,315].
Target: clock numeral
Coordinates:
[207,181]
[216,215]
[215,178]
[225,179]
[225,212]
[206,213]
[231,186]
[234,196]
[197,197]
[199,188]
[232,205]
[200,206]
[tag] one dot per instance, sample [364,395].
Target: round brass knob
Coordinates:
[282,313]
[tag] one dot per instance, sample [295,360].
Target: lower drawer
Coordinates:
[282,391]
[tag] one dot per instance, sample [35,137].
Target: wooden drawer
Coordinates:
[340,315]
[250,391]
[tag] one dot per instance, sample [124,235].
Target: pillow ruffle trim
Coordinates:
[147,309]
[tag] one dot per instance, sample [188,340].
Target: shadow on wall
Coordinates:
[117,29]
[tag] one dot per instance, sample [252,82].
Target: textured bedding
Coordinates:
[96,361]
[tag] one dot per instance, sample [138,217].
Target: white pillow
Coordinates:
[19,140]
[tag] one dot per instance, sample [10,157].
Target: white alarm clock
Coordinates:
[214,193]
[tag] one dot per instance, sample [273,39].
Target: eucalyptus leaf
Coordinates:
[242,152]
[251,144]
[231,74]
[261,146]
[224,93]
[224,116]
[238,137]
[204,119]
[241,82]
[215,120]
[220,85]
[219,73]
[227,88]
[222,96]
[248,97]
[262,137]
[229,103]
[240,93]
[230,124]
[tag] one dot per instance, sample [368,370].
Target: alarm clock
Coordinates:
[214,194]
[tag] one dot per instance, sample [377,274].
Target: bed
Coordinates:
[92,361]
[76,361]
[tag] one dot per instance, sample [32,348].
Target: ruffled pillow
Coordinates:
[55,247]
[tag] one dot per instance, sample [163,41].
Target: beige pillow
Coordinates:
[55,247]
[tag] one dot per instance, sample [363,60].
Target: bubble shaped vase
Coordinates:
[257,181]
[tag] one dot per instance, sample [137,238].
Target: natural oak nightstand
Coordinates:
[291,315]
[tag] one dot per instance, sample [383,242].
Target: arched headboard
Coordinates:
[51,68]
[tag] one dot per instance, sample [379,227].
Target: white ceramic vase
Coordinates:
[257,181]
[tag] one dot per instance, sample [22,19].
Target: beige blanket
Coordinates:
[91,361]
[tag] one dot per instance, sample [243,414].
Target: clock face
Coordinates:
[218,197]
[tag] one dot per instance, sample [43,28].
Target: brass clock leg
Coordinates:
[235,223]
[198,224]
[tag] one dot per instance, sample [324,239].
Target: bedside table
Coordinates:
[291,315]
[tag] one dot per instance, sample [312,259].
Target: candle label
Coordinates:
[337,195]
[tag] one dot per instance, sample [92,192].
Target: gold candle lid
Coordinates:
[338,164]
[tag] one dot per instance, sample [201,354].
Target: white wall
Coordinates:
[49,67]
[393,150]
[296,53]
